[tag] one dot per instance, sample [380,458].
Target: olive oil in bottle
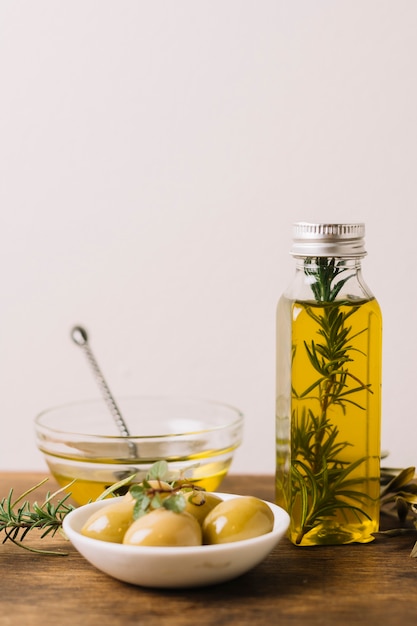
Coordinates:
[328,394]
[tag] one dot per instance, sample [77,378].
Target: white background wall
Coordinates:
[153,157]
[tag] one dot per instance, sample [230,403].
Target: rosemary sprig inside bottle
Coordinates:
[334,477]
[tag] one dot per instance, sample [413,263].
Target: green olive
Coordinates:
[162,527]
[200,503]
[237,519]
[110,522]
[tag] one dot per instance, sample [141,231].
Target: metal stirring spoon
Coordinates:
[80,337]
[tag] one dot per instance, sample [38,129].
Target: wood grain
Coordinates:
[346,585]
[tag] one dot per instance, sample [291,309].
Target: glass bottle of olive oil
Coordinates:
[328,390]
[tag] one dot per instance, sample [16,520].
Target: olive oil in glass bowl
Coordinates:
[81,443]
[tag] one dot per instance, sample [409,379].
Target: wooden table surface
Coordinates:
[349,585]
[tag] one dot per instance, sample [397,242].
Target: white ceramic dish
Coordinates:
[173,567]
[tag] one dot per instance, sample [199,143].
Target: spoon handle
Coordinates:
[80,337]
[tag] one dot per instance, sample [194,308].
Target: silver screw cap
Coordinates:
[328,240]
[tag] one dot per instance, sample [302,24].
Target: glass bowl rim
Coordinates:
[233,423]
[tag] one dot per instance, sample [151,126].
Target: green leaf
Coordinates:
[175,503]
[402,508]
[404,477]
[156,501]
[414,551]
[136,491]
[158,470]
[141,506]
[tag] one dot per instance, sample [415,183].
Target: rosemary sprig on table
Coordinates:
[19,517]
[321,480]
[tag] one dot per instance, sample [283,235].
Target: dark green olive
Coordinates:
[237,519]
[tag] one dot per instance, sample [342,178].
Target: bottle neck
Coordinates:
[326,279]
[316,265]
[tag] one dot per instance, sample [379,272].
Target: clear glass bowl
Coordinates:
[81,441]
